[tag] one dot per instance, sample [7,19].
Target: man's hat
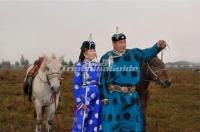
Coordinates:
[118,36]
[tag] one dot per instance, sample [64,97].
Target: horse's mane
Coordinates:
[43,65]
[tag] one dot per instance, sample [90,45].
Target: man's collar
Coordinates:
[119,54]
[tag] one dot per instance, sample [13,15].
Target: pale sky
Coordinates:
[35,27]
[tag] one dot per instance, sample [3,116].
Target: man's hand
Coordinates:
[161,44]
[105,101]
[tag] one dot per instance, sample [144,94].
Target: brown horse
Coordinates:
[153,70]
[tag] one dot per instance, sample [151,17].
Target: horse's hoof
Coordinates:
[37,130]
[51,129]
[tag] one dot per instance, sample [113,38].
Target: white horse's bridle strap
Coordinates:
[47,82]
[53,75]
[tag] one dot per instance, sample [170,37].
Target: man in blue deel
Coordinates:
[120,73]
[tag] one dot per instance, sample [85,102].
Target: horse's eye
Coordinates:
[47,68]
[61,68]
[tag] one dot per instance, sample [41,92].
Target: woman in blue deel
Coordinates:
[86,79]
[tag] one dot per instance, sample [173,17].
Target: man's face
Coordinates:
[120,46]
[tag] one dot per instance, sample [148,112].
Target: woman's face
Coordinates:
[90,54]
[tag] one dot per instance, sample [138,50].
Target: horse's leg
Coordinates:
[38,109]
[142,100]
[51,113]
[50,117]
[146,99]
[144,121]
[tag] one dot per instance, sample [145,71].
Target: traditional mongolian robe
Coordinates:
[86,81]
[123,112]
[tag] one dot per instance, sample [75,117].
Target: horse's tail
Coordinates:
[25,90]
[43,111]
[30,75]
[28,88]
[34,114]
[24,94]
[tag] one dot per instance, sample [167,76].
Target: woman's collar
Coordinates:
[88,61]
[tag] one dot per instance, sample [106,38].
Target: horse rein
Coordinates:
[58,122]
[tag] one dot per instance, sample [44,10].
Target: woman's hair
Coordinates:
[81,56]
[86,45]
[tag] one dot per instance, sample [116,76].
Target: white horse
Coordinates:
[46,90]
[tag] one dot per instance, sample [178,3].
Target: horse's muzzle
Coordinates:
[166,84]
[56,90]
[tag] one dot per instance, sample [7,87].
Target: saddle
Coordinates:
[30,77]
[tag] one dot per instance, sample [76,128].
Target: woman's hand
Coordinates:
[84,107]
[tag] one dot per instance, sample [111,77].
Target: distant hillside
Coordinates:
[183,64]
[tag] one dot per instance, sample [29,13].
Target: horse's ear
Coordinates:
[43,66]
[61,59]
[161,56]
[158,58]
[63,68]
[46,58]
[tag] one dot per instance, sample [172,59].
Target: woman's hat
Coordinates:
[86,45]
